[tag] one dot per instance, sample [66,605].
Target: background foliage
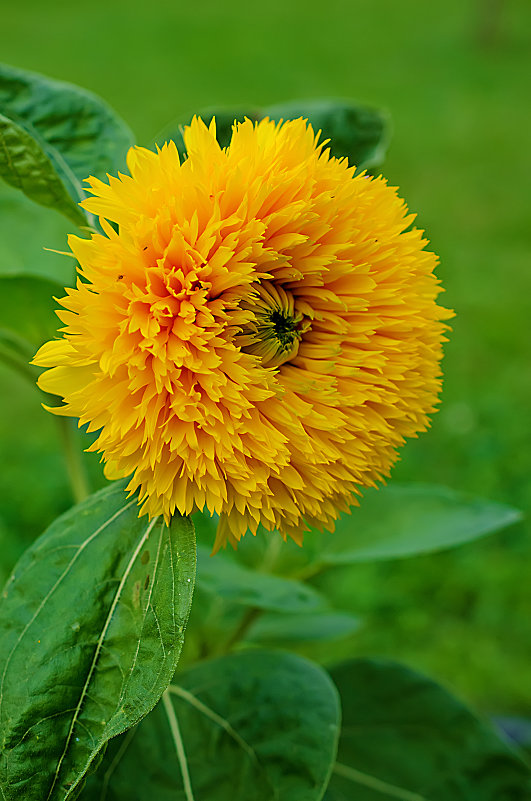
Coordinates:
[460,156]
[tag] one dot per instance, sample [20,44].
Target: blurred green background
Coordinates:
[455,77]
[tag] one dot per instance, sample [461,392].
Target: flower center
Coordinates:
[276,328]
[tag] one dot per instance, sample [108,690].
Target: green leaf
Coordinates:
[79,133]
[27,307]
[392,522]
[404,737]
[76,133]
[27,319]
[273,628]
[26,229]
[26,166]
[256,725]
[10,550]
[399,521]
[358,132]
[226,580]
[225,118]
[91,627]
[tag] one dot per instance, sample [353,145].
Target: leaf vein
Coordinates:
[148,604]
[47,597]
[209,713]
[380,786]
[98,650]
[179,746]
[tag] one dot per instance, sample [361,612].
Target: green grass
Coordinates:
[461,156]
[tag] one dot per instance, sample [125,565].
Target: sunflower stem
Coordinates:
[273,550]
[308,571]
[243,627]
[74,463]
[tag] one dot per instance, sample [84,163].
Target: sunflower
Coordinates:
[256,333]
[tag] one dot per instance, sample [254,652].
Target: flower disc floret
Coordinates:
[255,334]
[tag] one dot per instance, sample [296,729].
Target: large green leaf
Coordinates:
[27,307]
[225,118]
[229,581]
[276,628]
[27,319]
[26,229]
[26,166]
[59,135]
[399,521]
[82,135]
[392,522]
[91,627]
[252,726]
[359,132]
[405,737]
[10,550]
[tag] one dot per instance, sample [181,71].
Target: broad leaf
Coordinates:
[234,602]
[277,628]
[255,725]
[399,521]
[26,166]
[226,580]
[404,737]
[80,134]
[225,118]
[27,307]
[26,229]
[91,627]
[358,132]
[392,522]
[10,550]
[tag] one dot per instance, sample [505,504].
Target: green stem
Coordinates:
[74,463]
[241,630]
[308,571]
[273,550]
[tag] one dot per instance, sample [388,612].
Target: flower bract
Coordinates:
[255,332]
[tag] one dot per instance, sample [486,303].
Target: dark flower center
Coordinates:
[276,329]
[284,327]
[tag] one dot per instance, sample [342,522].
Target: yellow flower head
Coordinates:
[256,334]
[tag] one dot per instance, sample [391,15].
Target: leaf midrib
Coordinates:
[97,651]
[47,597]
[215,718]
[366,780]
[179,745]
[200,707]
